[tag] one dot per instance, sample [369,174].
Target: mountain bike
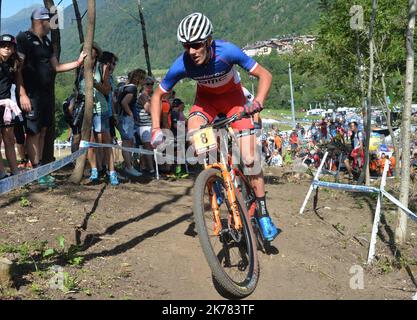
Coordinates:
[224,206]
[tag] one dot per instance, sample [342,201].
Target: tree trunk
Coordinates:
[48,150]
[387,113]
[145,40]
[361,83]
[78,173]
[79,20]
[5,273]
[365,170]
[401,228]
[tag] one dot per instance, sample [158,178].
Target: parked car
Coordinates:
[315,112]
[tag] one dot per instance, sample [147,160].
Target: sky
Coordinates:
[11,7]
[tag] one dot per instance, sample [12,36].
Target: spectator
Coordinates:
[128,102]
[382,163]
[414,161]
[276,160]
[166,112]
[110,59]
[19,133]
[9,111]
[101,123]
[143,123]
[166,123]
[265,148]
[340,133]
[39,67]
[357,154]
[332,130]
[177,115]
[374,165]
[287,158]
[314,132]
[323,130]
[278,143]
[294,142]
[392,163]
[413,168]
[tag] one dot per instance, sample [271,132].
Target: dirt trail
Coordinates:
[138,242]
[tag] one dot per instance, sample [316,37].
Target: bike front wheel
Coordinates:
[230,253]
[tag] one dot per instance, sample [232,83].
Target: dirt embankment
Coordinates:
[137,241]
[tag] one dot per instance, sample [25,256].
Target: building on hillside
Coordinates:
[282,45]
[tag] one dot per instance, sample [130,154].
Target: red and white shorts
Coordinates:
[209,106]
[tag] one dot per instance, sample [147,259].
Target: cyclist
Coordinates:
[211,63]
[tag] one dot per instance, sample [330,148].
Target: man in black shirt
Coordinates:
[39,67]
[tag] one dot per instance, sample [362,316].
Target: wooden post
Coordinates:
[365,174]
[78,173]
[79,20]
[145,40]
[5,272]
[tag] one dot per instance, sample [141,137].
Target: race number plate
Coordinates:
[205,140]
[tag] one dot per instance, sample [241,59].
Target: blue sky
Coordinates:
[10,7]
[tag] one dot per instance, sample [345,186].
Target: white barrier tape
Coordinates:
[86,144]
[23,179]
[391,198]
[345,187]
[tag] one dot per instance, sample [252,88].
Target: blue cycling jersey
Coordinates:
[217,76]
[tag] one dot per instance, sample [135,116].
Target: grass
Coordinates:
[286,114]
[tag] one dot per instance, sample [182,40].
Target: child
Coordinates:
[276,160]
[10,73]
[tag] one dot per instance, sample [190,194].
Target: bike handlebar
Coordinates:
[227,121]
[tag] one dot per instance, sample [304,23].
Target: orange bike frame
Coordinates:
[231,194]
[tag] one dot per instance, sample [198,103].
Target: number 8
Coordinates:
[204,138]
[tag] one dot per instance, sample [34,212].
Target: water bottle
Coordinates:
[218,191]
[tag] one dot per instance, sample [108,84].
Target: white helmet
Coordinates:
[194,28]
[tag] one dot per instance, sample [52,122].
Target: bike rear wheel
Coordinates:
[231,254]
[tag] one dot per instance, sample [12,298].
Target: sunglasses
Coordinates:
[7,45]
[195,46]
[149,84]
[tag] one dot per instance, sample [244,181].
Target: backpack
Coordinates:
[117,103]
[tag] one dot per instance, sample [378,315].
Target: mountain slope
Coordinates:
[240,21]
